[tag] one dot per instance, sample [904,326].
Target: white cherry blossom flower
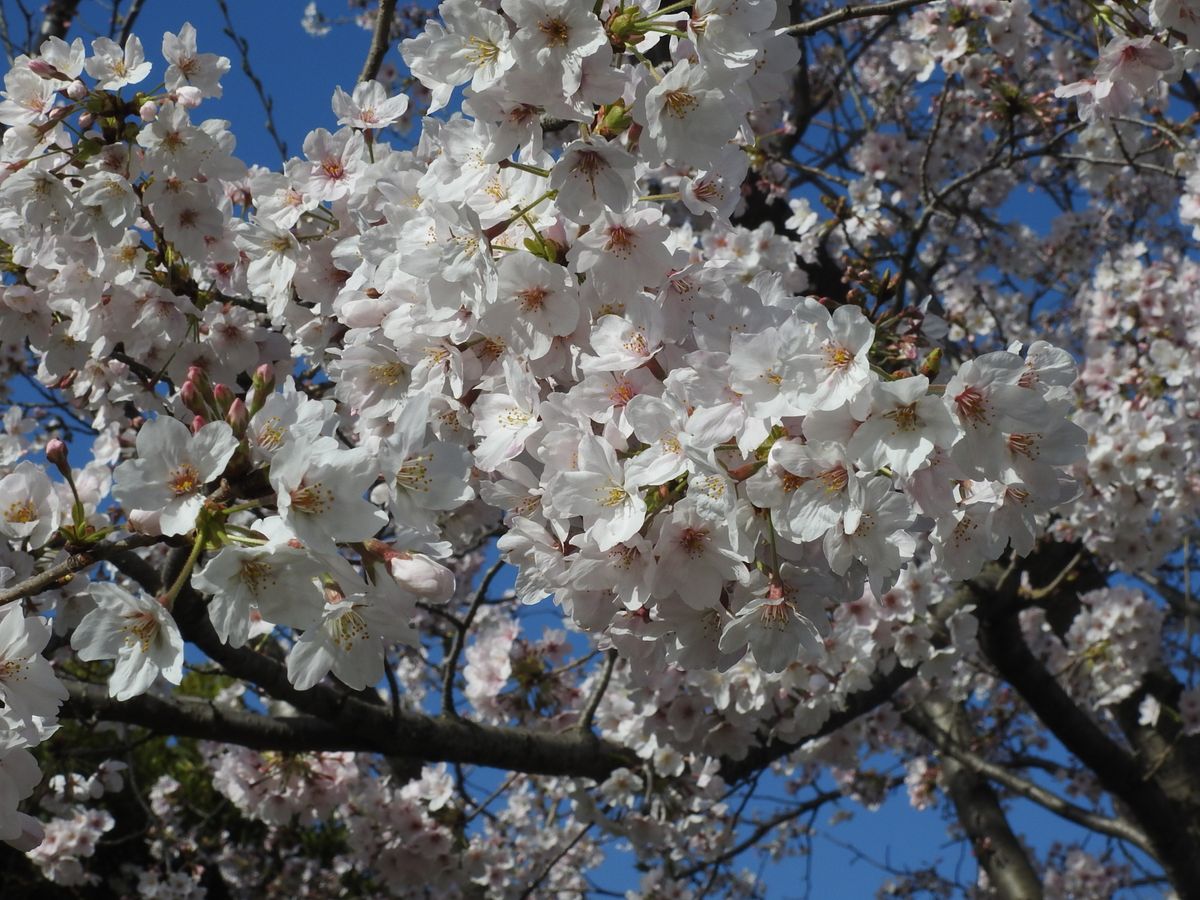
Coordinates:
[27,683]
[135,630]
[29,508]
[349,639]
[172,468]
[320,494]
[202,71]
[114,67]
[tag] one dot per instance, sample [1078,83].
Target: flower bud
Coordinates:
[148,111]
[191,398]
[199,377]
[188,97]
[56,453]
[238,416]
[417,573]
[77,90]
[197,423]
[223,397]
[43,69]
[932,363]
[262,386]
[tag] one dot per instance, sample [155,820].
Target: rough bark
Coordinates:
[1152,770]
[997,849]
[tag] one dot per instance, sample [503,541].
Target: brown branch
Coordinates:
[593,704]
[924,724]
[264,98]
[379,40]
[846,13]
[762,829]
[60,14]
[76,562]
[460,639]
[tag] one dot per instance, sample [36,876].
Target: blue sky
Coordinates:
[300,72]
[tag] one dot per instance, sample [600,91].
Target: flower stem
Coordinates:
[168,599]
[524,167]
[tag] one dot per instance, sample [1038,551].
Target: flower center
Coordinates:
[256,574]
[774,615]
[390,374]
[22,511]
[347,629]
[140,628]
[184,480]
[312,499]
[679,103]
[533,298]
[557,32]
[971,405]
[693,541]
[413,474]
[905,417]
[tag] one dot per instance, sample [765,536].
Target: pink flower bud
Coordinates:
[422,576]
[191,398]
[197,423]
[43,69]
[77,90]
[238,416]
[223,397]
[56,453]
[86,119]
[188,97]
[148,111]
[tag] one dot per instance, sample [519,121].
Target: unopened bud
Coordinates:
[238,416]
[188,97]
[262,386]
[198,422]
[43,69]
[148,111]
[77,90]
[86,120]
[56,453]
[417,573]
[191,398]
[932,364]
[223,397]
[199,377]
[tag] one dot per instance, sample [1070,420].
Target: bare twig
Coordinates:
[533,885]
[846,13]
[589,711]
[268,104]
[130,19]
[460,640]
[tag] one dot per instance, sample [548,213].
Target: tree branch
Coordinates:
[933,730]
[846,13]
[379,40]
